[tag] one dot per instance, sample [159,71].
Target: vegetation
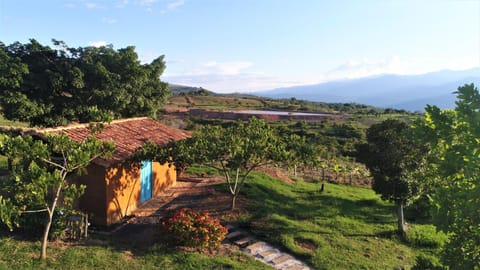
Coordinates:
[107,254]
[452,174]
[342,227]
[390,155]
[194,228]
[54,86]
[38,179]
[237,150]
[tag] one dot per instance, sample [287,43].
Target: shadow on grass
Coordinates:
[307,210]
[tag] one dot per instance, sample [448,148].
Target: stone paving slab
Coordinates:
[269,255]
[244,241]
[264,252]
[295,267]
[255,248]
[281,259]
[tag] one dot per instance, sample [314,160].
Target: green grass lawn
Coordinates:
[21,254]
[341,228]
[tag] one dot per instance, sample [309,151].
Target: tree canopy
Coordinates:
[453,139]
[48,86]
[38,181]
[390,155]
[235,151]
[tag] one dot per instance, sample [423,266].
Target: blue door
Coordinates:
[146,181]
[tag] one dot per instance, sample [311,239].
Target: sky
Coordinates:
[251,45]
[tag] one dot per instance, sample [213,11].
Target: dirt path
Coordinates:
[141,231]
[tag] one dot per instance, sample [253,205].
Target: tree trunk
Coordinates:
[400,219]
[51,211]
[43,252]
[232,205]
[295,170]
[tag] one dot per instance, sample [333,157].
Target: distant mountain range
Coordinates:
[409,92]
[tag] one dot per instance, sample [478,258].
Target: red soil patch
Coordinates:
[276,173]
[306,244]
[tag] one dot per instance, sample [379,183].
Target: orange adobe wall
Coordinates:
[93,199]
[163,176]
[123,188]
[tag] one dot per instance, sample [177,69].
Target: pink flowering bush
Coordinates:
[194,228]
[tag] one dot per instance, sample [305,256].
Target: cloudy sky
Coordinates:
[247,45]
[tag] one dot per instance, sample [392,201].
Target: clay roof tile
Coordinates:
[127,135]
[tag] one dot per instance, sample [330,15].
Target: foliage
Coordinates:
[423,262]
[347,227]
[426,236]
[390,155]
[54,86]
[453,174]
[237,150]
[38,181]
[302,152]
[177,153]
[195,228]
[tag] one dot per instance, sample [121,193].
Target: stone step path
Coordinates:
[263,251]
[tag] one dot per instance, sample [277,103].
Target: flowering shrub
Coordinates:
[195,228]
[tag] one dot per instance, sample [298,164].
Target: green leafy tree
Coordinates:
[302,152]
[453,139]
[237,150]
[53,86]
[177,153]
[390,156]
[12,70]
[38,181]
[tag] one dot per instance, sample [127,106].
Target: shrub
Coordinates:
[426,236]
[194,228]
[427,262]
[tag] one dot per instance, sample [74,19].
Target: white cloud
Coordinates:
[235,76]
[97,44]
[226,68]
[109,20]
[245,82]
[91,5]
[122,4]
[357,68]
[222,77]
[366,67]
[146,2]
[70,5]
[175,4]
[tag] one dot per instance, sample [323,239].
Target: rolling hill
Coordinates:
[410,92]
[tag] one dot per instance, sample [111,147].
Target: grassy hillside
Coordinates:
[97,254]
[341,228]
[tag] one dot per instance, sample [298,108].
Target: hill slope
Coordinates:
[410,92]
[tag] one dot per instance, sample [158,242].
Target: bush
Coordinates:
[194,228]
[426,236]
[427,262]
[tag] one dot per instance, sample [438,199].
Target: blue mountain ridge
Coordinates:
[409,92]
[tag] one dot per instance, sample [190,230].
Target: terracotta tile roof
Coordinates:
[127,135]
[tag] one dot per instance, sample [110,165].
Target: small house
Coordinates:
[114,187]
